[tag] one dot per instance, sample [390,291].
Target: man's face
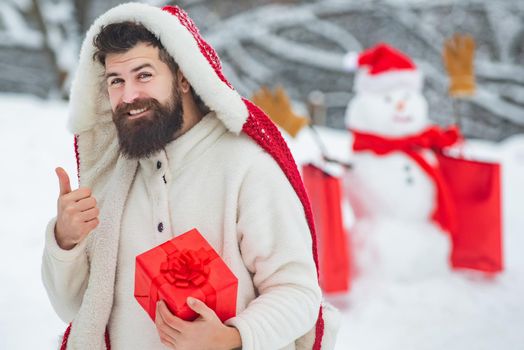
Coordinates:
[144,98]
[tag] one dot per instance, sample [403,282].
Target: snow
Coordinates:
[17,32]
[334,32]
[247,64]
[35,133]
[300,53]
[441,310]
[425,305]
[62,32]
[500,71]
[303,46]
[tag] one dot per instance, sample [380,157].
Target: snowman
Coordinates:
[394,186]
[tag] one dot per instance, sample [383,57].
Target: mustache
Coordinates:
[123,109]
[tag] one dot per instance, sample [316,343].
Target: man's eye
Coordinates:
[144,76]
[115,82]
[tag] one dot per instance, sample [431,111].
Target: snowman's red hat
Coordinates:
[382,68]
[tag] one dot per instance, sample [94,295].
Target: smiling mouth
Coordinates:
[137,113]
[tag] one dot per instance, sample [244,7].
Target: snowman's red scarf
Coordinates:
[433,138]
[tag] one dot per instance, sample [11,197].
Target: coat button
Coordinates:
[160,227]
[158,164]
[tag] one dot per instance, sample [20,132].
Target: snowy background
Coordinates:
[299,44]
[296,44]
[445,310]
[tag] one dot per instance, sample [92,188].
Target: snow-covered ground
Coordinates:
[442,311]
[33,142]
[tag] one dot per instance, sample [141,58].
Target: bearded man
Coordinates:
[165,144]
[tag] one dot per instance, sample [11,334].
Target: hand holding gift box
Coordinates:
[181,267]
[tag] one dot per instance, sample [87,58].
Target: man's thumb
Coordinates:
[200,307]
[63,180]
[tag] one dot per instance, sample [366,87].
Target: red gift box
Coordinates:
[181,267]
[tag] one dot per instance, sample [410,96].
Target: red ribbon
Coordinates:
[433,138]
[186,268]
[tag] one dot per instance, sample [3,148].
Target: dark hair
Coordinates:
[123,36]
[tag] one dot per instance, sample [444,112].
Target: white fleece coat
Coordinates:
[231,190]
[238,198]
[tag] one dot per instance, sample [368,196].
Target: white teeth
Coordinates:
[137,111]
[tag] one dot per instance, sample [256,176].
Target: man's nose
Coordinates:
[131,93]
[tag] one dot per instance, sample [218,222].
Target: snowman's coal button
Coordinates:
[160,227]
[409,180]
[407,167]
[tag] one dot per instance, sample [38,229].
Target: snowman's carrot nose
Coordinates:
[400,105]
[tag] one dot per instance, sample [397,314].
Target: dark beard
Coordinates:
[149,134]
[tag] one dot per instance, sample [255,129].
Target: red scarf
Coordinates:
[432,138]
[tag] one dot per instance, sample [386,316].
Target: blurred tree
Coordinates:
[40,44]
[298,44]
[58,24]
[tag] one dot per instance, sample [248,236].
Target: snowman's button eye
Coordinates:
[387,98]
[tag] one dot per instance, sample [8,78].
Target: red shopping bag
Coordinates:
[324,191]
[475,189]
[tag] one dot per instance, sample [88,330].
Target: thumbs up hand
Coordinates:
[77,213]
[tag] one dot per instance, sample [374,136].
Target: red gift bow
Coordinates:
[433,138]
[186,268]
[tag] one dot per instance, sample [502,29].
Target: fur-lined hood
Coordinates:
[105,171]
[90,111]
